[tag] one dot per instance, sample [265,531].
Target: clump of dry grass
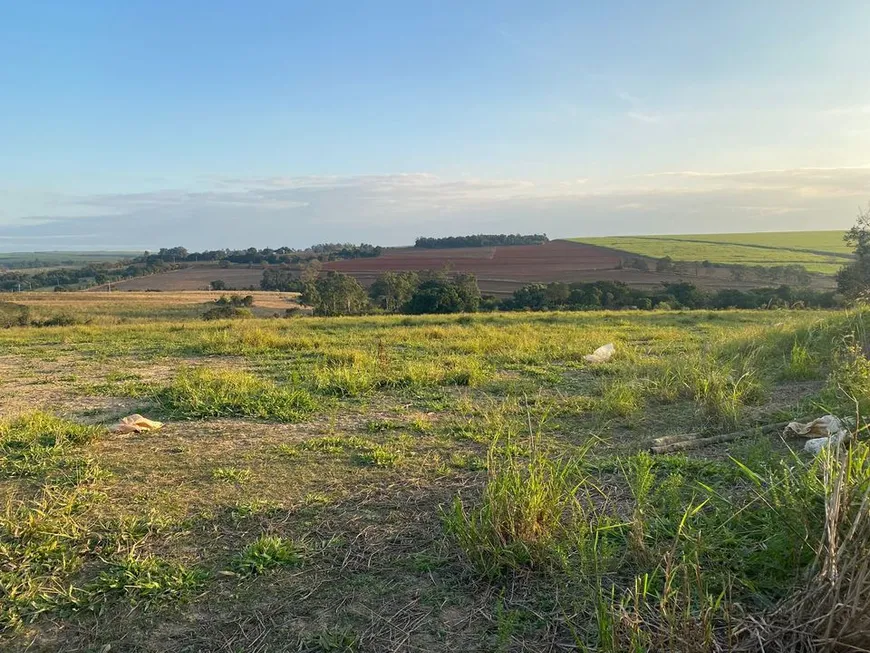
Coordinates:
[831,610]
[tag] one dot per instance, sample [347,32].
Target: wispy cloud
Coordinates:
[855,110]
[641,116]
[395,208]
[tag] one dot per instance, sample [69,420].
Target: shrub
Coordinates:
[12,314]
[227,313]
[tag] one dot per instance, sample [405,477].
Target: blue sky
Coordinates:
[212,124]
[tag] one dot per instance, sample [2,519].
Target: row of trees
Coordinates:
[616,295]
[393,292]
[480,240]
[431,292]
[252,255]
[87,275]
[794,274]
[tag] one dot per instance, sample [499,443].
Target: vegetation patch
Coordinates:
[267,553]
[143,582]
[200,393]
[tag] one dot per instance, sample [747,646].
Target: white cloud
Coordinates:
[855,110]
[640,116]
[395,208]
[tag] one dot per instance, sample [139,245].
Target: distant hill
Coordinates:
[817,251]
[27,260]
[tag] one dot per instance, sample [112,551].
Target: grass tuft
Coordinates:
[143,581]
[266,553]
[202,393]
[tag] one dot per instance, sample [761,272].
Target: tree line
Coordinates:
[435,292]
[173,258]
[678,295]
[394,292]
[87,275]
[281,255]
[480,240]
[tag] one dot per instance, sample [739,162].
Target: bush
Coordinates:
[12,314]
[227,313]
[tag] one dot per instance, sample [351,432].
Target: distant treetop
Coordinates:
[480,240]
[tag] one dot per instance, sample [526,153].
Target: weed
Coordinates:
[144,581]
[378,456]
[265,553]
[231,474]
[620,399]
[801,364]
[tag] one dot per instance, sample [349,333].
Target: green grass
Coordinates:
[143,582]
[266,553]
[200,393]
[817,251]
[350,482]
[231,474]
[68,259]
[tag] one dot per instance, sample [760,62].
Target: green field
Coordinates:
[24,260]
[428,483]
[817,251]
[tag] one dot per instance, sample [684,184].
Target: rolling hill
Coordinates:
[817,251]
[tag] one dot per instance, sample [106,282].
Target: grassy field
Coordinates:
[817,251]
[63,259]
[436,483]
[115,307]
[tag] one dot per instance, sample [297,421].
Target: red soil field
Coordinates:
[553,261]
[499,270]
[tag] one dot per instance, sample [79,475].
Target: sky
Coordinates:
[211,124]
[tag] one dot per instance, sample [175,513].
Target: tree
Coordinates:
[392,290]
[439,294]
[665,264]
[853,280]
[468,291]
[686,294]
[218,284]
[533,296]
[282,280]
[312,271]
[434,296]
[335,294]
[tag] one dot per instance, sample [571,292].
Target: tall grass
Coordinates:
[202,393]
[703,553]
[532,512]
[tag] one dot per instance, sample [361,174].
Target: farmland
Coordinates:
[195,277]
[61,259]
[817,251]
[114,307]
[501,270]
[431,483]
